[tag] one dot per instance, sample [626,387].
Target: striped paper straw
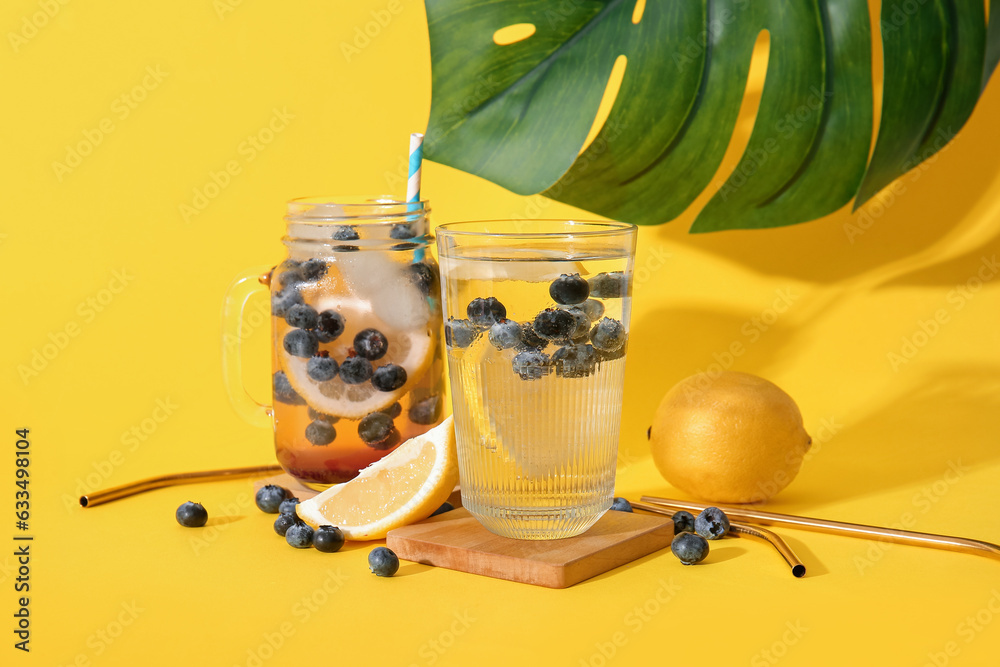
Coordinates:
[413,181]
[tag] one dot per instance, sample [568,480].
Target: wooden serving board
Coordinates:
[457,541]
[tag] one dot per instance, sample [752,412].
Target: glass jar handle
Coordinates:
[240,290]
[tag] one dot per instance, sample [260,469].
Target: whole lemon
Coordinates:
[729,438]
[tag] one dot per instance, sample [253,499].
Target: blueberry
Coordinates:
[389,377]
[393,410]
[355,370]
[284,522]
[313,269]
[345,233]
[283,391]
[426,411]
[321,367]
[568,289]
[593,308]
[485,312]
[554,324]
[530,339]
[608,335]
[404,246]
[329,326]
[574,361]
[712,523]
[283,300]
[332,419]
[621,505]
[531,364]
[424,276]
[299,535]
[683,522]
[371,344]
[505,334]
[383,562]
[191,515]
[302,316]
[301,343]
[384,445]
[581,329]
[689,548]
[445,507]
[269,498]
[603,356]
[608,285]
[375,427]
[287,506]
[328,539]
[401,231]
[320,432]
[459,333]
[290,277]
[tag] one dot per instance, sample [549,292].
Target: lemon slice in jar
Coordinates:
[412,349]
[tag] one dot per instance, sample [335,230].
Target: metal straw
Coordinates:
[757,517]
[744,530]
[132,488]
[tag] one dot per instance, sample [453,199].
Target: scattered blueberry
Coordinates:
[608,335]
[320,433]
[302,316]
[531,364]
[689,548]
[683,522]
[284,522]
[314,415]
[269,498]
[593,308]
[283,299]
[299,535]
[355,370]
[287,506]
[283,391]
[401,231]
[322,367]
[608,285]
[389,377]
[485,312]
[459,333]
[426,411]
[301,343]
[505,334]
[445,507]
[371,344]
[530,339]
[553,324]
[574,361]
[191,515]
[712,523]
[393,410]
[313,269]
[329,326]
[424,276]
[383,562]
[568,289]
[375,427]
[621,505]
[328,539]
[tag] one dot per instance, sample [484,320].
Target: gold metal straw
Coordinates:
[132,488]
[744,530]
[932,540]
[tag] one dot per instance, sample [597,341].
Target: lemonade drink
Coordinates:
[356,321]
[537,332]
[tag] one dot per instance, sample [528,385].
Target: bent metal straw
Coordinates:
[932,540]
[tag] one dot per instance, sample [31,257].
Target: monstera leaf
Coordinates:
[519,113]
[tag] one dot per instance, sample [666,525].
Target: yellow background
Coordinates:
[896,442]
